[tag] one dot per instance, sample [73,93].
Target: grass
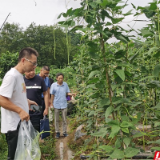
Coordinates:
[47,148]
[3,147]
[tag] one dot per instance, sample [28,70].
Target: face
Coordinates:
[30,74]
[29,64]
[44,73]
[60,79]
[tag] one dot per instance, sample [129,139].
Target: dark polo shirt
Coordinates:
[35,87]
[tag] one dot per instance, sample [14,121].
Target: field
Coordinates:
[117,84]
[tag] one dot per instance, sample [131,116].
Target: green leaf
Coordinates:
[78,27]
[126,124]
[93,73]
[155,142]
[156,148]
[128,13]
[114,131]
[153,49]
[91,113]
[116,20]
[140,134]
[100,133]
[134,104]
[113,123]
[117,154]
[104,102]
[148,77]
[118,143]
[94,80]
[120,54]
[108,111]
[118,100]
[106,148]
[153,84]
[69,12]
[157,106]
[133,6]
[104,3]
[130,152]
[156,70]
[157,43]
[153,6]
[156,124]
[126,130]
[121,38]
[125,118]
[59,16]
[146,32]
[120,73]
[91,86]
[127,141]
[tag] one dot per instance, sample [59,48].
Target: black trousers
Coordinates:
[35,117]
[12,138]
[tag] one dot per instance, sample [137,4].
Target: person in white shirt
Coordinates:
[13,99]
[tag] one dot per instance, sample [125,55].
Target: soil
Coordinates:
[63,142]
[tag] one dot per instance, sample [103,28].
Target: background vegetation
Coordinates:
[52,42]
[117,84]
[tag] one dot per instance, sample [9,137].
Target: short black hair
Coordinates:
[59,74]
[46,68]
[27,52]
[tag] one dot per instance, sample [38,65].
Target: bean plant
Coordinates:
[118,82]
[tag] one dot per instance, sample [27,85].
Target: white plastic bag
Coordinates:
[28,143]
[51,114]
[73,100]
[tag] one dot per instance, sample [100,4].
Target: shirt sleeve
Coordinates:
[67,89]
[44,88]
[52,90]
[7,87]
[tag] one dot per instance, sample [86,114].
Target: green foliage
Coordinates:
[49,41]
[118,83]
[69,75]
[3,147]
[7,61]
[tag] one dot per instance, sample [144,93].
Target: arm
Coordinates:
[31,102]
[52,99]
[49,101]
[7,104]
[46,102]
[71,94]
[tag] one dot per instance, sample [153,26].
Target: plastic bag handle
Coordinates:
[44,117]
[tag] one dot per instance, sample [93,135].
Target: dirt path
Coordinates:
[62,150]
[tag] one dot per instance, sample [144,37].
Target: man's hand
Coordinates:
[23,115]
[45,112]
[31,103]
[71,94]
[49,102]
[51,107]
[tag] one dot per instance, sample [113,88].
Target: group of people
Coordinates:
[22,89]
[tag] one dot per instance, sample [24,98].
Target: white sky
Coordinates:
[45,12]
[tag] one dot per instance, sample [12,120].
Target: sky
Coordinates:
[45,12]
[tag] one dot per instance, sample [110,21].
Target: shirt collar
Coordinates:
[60,85]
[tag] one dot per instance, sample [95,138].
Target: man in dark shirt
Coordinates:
[35,86]
[44,73]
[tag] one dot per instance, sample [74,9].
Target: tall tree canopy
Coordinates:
[47,40]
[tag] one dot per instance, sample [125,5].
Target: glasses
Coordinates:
[33,63]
